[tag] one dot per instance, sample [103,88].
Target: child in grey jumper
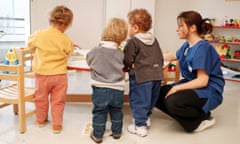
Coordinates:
[107,76]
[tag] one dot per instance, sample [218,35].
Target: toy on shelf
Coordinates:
[237,54]
[228,54]
[210,37]
[11,57]
[231,22]
[216,37]
[229,39]
[236,40]
[224,51]
[222,39]
[221,50]
[213,21]
[226,24]
[236,23]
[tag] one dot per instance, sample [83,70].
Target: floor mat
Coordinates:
[88,128]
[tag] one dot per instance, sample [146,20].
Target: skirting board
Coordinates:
[85,98]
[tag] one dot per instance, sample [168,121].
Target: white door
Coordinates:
[120,8]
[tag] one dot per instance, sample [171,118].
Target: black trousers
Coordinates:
[183,106]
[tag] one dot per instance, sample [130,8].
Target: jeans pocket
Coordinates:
[99,97]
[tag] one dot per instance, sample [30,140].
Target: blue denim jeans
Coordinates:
[143,97]
[107,100]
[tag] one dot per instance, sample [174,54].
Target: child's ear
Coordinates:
[135,28]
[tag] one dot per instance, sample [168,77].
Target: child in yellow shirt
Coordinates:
[52,49]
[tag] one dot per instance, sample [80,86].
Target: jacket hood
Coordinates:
[146,38]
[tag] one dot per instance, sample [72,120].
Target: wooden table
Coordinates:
[78,62]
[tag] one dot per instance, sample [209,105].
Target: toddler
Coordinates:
[144,61]
[106,63]
[52,49]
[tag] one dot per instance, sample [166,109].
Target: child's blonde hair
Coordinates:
[141,18]
[116,31]
[61,16]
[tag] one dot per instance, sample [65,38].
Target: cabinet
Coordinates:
[226,40]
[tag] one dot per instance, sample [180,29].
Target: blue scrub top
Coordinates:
[202,56]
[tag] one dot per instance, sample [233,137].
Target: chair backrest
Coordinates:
[19,71]
[12,74]
[26,58]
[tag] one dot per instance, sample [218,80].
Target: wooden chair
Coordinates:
[16,93]
[171,76]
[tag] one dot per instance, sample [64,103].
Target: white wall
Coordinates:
[166,24]
[168,10]
[87,23]
[91,16]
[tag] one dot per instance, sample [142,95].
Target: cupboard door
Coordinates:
[116,8]
[120,8]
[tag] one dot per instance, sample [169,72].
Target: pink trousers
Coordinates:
[51,88]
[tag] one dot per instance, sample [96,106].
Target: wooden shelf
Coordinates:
[230,67]
[230,75]
[230,43]
[233,64]
[230,60]
[229,27]
[232,79]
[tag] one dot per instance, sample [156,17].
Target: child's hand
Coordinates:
[75,46]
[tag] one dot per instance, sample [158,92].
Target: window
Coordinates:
[14,25]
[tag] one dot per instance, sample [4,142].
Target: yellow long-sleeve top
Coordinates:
[52,49]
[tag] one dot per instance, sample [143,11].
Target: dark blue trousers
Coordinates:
[143,97]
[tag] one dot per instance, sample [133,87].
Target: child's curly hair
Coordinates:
[61,16]
[141,18]
[116,31]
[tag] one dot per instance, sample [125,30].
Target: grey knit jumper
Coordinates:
[106,63]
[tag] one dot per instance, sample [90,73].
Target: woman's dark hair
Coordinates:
[204,26]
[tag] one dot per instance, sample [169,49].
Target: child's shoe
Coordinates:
[41,124]
[138,130]
[116,136]
[57,129]
[148,122]
[96,140]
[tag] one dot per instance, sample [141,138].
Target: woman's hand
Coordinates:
[171,91]
[199,82]
[169,56]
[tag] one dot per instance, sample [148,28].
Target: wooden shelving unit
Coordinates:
[229,43]
[229,27]
[231,67]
